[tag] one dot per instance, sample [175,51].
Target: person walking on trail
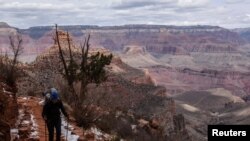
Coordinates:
[52,115]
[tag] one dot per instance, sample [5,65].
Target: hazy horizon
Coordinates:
[117,25]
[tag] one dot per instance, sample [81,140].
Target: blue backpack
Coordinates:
[54,94]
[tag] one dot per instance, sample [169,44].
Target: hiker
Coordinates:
[52,116]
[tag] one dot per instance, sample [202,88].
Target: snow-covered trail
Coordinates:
[30,124]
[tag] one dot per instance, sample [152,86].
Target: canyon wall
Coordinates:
[181,80]
[156,38]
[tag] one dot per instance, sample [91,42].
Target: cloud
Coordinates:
[26,13]
[234,1]
[192,3]
[34,6]
[129,4]
[133,4]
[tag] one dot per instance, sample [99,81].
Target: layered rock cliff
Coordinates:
[185,79]
[156,38]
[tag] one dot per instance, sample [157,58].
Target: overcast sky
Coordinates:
[26,13]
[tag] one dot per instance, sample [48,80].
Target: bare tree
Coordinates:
[70,79]
[16,47]
[8,65]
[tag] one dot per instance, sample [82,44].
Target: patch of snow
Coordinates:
[20,117]
[68,128]
[34,134]
[41,102]
[7,91]
[34,128]
[14,134]
[26,122]
[133,127]
[98,133]
[190,108]
[33,121]
[14,130]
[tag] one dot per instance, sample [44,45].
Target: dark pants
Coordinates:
[51,124]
